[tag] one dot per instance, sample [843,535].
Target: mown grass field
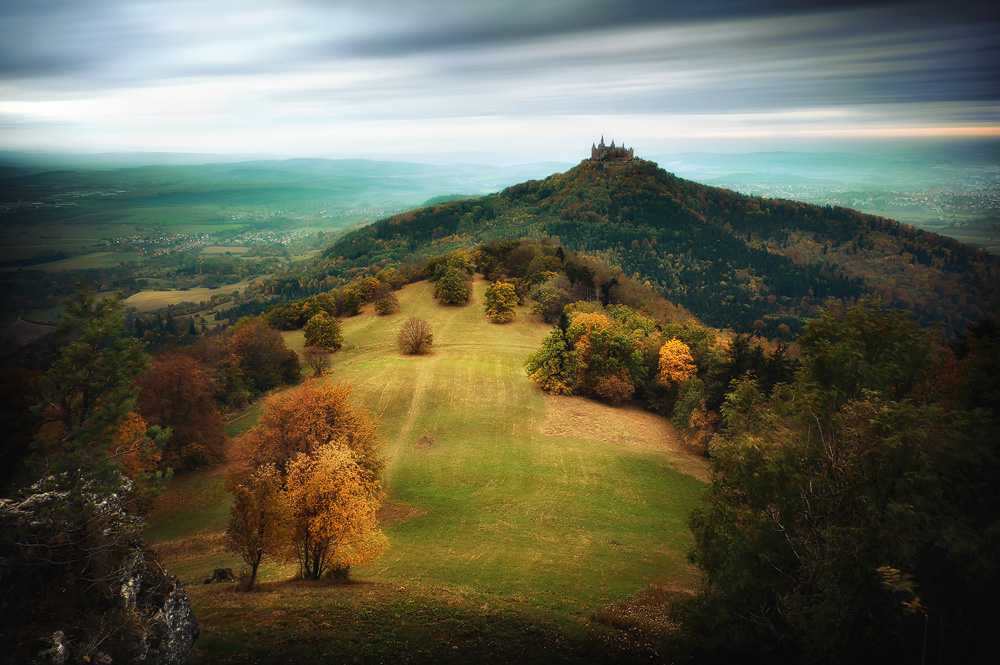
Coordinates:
[491,521]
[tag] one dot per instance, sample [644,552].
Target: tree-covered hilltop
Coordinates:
[745,262]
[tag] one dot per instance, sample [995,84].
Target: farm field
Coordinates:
[148,301]
[512,516]
[91,260]
[219,249]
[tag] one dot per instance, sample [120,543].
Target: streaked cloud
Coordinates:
[447,79]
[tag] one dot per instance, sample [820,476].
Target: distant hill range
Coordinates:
[749,263]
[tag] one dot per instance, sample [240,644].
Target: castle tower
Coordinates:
[611,153]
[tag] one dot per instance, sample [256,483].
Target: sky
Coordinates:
[493,81]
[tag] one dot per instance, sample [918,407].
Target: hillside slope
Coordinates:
[749,263]
[498,495]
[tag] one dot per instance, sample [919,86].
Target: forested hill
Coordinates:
[745,262]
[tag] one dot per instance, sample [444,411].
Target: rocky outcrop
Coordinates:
[161,627]
[170,634]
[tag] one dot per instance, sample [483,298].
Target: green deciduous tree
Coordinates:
[609,362]
[553,366]
[453,288]
[323,331]
[843,522]
[387,304]
[551,297]
[864,348]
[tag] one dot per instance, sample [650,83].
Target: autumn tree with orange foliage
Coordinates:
[304,420]
[131,446]
[178,392]
[324,454]
[259,519]
[333,504]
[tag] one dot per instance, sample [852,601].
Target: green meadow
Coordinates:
[489,519]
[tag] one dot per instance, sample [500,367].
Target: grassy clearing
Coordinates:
[300,622]
[544,528]
[148,301]
[195,505]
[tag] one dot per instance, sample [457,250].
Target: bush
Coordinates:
[387,304]
[318,358]
[415,336]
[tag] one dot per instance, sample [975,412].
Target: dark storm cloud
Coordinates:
[814,52]
[456,25]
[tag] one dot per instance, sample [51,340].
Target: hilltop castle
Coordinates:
[611,153]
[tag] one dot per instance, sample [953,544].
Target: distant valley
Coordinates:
[180,227]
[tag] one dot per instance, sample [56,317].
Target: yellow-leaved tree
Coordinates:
[333,508]
[500,302]
[676,364]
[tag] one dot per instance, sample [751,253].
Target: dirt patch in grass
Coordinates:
[646,610]
[396,512]
[423,443]
[581,418]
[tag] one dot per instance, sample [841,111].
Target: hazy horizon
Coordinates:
[494,81]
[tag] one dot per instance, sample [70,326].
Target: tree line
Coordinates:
[852,512]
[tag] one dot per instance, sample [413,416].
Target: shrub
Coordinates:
[387,304]
[415,336]
[318,358]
